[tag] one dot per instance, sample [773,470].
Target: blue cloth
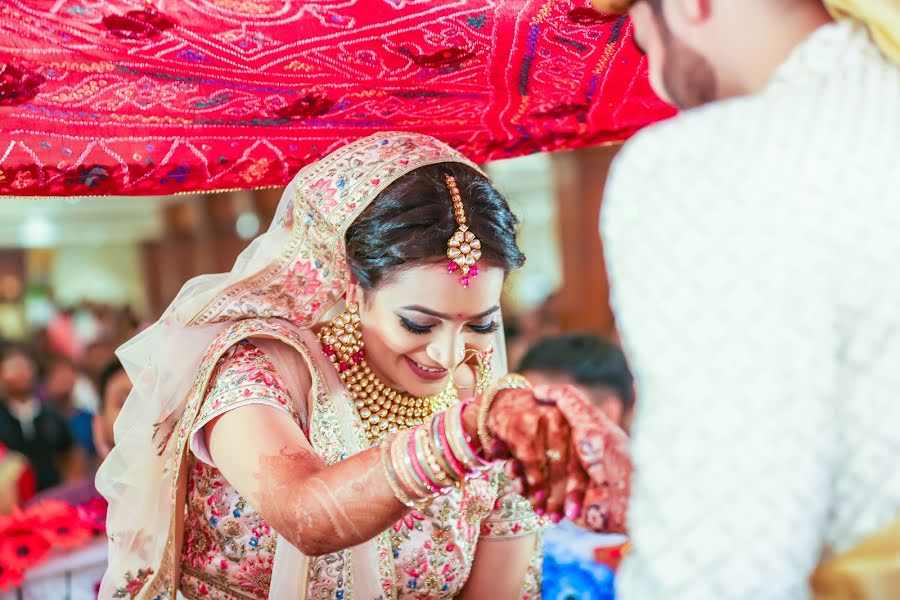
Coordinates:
[81,426]
[570,571]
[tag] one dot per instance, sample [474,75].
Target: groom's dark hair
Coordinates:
[411,221]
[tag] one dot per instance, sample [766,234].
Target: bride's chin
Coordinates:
[425,390]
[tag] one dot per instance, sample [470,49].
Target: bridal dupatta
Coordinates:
[284,282]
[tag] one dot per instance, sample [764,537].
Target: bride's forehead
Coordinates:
[432,286]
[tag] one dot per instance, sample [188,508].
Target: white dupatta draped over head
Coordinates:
[295,271]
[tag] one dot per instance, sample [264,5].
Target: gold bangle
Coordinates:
[429,462]
[391,475]
[403,468]
[438,450]
[456,437]
[507,382]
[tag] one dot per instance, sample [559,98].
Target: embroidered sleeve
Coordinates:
[244,375]
[512,515]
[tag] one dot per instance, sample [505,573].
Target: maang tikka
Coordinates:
[463,249]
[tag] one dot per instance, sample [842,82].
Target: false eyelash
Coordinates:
[413,327]
[486,329]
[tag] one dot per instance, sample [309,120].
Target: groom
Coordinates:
[753,250]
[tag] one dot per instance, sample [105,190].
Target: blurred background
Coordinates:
[79,276]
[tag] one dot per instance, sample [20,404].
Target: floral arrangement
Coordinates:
[29,537]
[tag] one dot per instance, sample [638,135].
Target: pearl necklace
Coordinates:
[381,408]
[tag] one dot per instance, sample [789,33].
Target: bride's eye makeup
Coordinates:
[413,327]
[490,327]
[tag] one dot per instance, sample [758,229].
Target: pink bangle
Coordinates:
[416,465]
[403,469]
[447,451]
[439,448]
[467,445]
[456,437]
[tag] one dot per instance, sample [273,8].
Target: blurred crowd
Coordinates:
[60,392]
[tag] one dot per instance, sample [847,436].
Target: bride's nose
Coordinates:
[447,352]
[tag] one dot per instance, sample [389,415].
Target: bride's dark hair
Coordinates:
[412,219]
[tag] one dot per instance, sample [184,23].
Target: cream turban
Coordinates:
[882,17]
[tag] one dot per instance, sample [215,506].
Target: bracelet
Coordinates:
[456,438]
[457,468]
[391,475]
[437,476]
[413,455]
[511,381]
[459,444]
[440,449]
[404,469]
[466,441]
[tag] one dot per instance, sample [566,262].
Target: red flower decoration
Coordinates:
[50,510]
[59,523]
[26,538]
[9,578]
[21,545]
[93,514]
[137,24]
[18,85]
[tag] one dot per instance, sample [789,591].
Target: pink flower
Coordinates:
[302,279]
[264,376]
[409,521]
[323,193]
[198,548]
[255,576]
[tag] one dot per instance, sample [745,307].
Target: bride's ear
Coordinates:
[354,291]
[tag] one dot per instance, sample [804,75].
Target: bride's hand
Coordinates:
[537,437]
[602,450]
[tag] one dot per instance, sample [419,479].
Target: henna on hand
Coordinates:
[602,450]
[537,436]
[320,508]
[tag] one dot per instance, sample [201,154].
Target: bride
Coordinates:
[296,428]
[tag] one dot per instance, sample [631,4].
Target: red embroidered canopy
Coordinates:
[128,97]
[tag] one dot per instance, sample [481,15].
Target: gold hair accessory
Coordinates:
[463,249]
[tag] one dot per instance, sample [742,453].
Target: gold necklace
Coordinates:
[381,408]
